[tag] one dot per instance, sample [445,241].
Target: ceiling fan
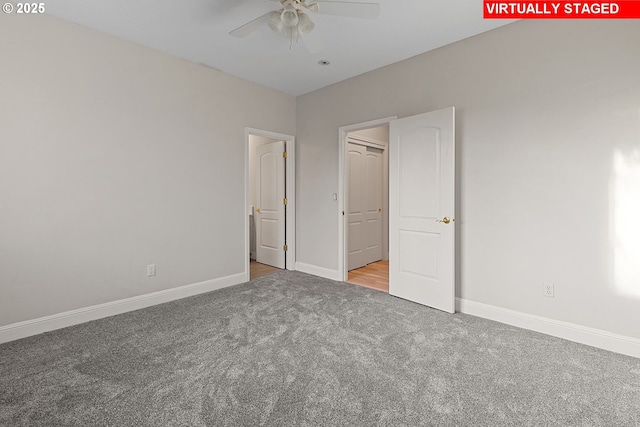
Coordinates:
[292,20]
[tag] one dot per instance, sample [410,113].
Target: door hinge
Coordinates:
[285,201]
[285,248]
[284,154]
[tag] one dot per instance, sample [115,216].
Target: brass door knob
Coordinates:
[446,220]
[258,210]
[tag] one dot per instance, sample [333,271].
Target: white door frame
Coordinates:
[290,189]
[342,190]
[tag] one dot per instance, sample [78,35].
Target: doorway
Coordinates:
[422,203]
[366,205]
[270,202]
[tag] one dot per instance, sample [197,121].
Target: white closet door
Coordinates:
[356,173]
[373,201]
[364,225]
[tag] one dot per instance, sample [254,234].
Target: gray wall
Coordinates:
[547,112]
[112,157]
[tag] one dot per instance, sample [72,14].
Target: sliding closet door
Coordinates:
[364,210]
[373,205]
[356,173]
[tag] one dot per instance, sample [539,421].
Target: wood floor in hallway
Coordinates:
[258,270]
[374,276]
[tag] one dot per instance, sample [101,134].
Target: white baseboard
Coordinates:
[62,320]
[318,271]
[569,331]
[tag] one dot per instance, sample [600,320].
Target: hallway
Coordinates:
[374,276]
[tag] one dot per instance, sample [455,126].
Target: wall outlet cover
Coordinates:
[151,270]
[548,290]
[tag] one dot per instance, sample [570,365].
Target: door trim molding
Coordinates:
[342,138]
[290,189]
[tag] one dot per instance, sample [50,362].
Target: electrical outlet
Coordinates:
[548,289]
[151,270]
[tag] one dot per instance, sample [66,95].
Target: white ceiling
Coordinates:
[197,30]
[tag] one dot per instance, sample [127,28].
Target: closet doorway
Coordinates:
[422,195]
[367,206]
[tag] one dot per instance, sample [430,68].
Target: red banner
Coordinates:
[625,9]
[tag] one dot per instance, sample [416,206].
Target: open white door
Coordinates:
[422,206]
[270,204]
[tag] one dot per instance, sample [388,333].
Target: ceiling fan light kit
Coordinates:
[275,22]
[305,25]
[291,20]
[289,16]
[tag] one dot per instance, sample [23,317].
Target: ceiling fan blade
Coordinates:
[350,9]
[250,26]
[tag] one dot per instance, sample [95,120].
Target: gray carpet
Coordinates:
[291,349]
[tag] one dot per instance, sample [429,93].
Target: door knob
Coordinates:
[446,220]
[258,210]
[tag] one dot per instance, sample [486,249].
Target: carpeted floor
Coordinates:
[291,349]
